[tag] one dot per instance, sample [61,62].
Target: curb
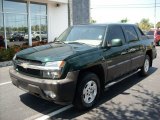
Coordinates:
[6,63]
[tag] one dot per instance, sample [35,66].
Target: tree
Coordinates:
[124,20]
[92,21]
[145,24]
[158,25]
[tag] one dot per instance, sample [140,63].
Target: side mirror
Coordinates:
[55,39]
[115,43]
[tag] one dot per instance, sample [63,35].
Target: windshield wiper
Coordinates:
[77,43]
[82,43]
[58,41]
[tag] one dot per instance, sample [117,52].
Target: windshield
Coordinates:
[92,35]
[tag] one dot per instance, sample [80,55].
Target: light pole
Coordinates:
[155,15]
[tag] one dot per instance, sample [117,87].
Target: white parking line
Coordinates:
[5,83]
[55,113]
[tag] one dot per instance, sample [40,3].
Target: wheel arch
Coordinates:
[96,69]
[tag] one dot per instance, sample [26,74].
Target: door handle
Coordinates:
[132,50]
[123,53]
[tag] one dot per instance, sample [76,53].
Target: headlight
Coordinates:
[55,69]
[55,65]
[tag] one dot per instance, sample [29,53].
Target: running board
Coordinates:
[112,83]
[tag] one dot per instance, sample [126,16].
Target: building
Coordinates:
[37,20]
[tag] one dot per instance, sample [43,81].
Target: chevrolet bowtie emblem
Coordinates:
[24,65]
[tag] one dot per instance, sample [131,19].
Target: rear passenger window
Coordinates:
[115,32]
[130,33]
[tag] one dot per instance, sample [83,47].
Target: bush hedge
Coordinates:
[8,54]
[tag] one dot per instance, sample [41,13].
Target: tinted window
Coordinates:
[130,33]
[115,32]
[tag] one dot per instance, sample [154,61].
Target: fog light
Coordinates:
[51,74]
[50,94]
[55,75]
[46,74]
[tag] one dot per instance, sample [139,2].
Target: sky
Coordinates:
[111,11]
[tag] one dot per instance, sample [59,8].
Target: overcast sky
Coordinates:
[104,11]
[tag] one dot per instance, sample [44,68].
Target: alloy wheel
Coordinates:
[146,65]
[89,92]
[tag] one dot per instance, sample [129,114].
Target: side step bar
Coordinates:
[112,83]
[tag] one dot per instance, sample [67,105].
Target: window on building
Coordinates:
[39,22]
[16,22]
[0,5]
[15,27]
[16,6]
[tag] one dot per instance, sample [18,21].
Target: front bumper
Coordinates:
[59,91]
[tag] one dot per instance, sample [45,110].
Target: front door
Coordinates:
[117,58]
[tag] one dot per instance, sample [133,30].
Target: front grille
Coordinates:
[30,72]
[31,62]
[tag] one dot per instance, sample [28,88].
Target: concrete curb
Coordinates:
[6,63]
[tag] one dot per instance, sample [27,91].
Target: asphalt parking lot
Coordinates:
[136,98]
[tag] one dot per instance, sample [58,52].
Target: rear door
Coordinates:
[117,58]
[136,47]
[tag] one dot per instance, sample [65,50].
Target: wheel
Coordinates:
[37,38]
[16,39]
[11,40]
[146,66]
[88,91]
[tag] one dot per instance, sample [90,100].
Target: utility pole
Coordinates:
[155,15]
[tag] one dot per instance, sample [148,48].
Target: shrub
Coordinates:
[8,54]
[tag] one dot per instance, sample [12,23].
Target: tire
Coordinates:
[37,38]
[88,91]
[146,66]
[16,39]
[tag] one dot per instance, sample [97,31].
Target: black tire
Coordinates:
[16,39]
[144,70]
[79,101]
[37,38]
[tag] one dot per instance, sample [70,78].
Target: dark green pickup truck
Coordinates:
[82,62]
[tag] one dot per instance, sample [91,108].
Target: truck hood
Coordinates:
[53,52]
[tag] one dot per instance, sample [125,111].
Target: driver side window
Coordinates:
[115,32]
